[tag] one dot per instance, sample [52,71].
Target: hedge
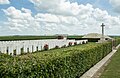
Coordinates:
[116,42]
[69,62]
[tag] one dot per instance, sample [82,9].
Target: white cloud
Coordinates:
[61,17]
[63,7]
[47,18]
[21,20]
[26,10]
[46,4]
[4,2]
[115,4]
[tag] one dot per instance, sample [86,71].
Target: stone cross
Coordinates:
[102,31]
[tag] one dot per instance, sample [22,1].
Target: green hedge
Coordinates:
[69,62]
[89,39]
[116,42]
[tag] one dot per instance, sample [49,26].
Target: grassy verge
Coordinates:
[113,68]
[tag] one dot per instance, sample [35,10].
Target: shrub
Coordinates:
[10,53]
[64,46]
[70,44]
[60,37]
[86,42]
[14,52]
[22,51]
[37,48]
[56,47]
[28,50]
[75,43]
[83,42]
[116,42]
[46,47]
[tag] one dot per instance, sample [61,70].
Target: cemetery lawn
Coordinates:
[53,53]
[113,68]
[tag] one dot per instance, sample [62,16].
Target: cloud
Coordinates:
[77,18]
[26,10]
[60,17]
[47,18]
[115,4]
[57,6]
[20,20]
[4,2]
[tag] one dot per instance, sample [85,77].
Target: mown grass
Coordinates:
[59,52]
[113,68]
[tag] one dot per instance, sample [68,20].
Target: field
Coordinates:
[10,38]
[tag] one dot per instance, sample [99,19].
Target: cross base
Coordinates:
[101,41]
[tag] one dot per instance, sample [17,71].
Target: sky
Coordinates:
[49,17]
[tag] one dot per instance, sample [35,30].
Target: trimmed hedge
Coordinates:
[69,62]
[116,42]
[89,39]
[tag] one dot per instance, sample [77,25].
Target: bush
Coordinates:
[22,51]
[14,52]
[56,47]
[46,47]
[70,62]
[75,43]
[86,42]
[64,46]
[60,37]
[70,44]
[116,42]
[83,42]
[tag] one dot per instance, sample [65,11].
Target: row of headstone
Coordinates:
[25,46]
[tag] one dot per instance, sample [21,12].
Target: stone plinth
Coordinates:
[102,41]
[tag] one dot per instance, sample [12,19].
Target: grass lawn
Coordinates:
[59,52]
[113,68]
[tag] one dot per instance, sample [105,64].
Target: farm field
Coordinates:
[11,38]
[115,37]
